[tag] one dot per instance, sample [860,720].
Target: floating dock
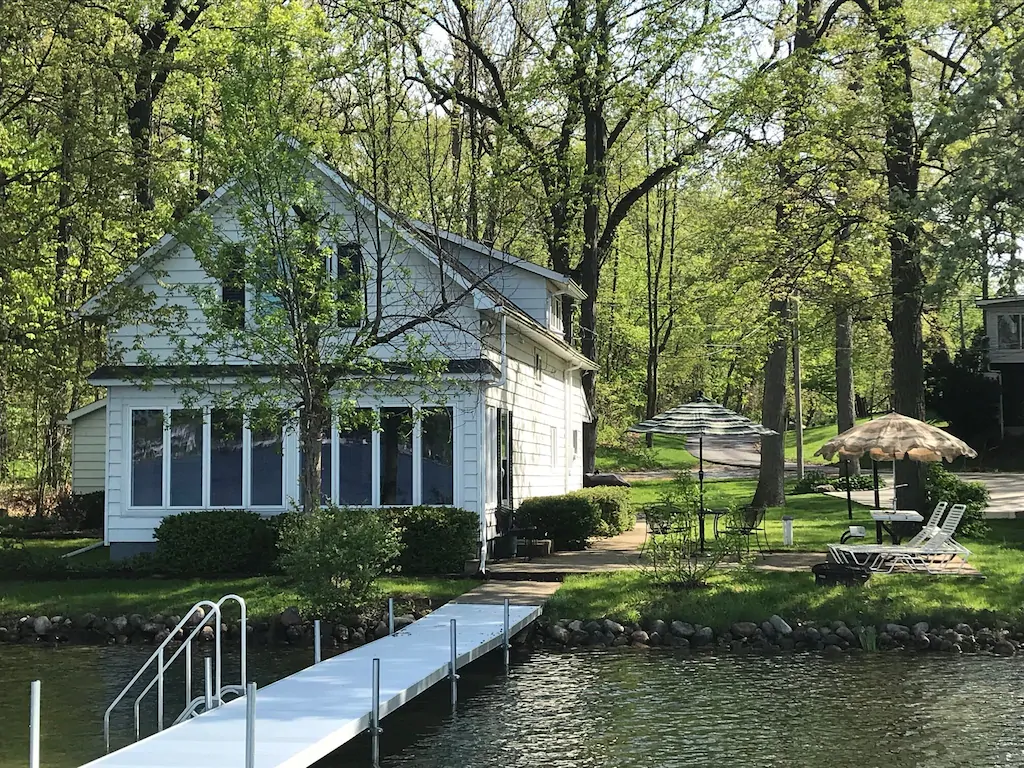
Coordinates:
[306,716]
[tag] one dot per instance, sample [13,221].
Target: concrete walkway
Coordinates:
[1005,488]
[524,579]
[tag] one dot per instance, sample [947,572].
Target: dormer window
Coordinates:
[555,313]
[349,273]
[232,286]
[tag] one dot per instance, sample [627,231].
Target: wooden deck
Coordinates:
[308,715]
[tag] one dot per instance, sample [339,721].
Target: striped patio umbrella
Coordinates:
[699,418]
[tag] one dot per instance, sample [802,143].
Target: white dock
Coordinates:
[306,716]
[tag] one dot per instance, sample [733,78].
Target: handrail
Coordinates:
[158,653]
[214,614]
[187,647]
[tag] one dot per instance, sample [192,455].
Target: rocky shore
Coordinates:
[776,635]
[288,627]
[772,635]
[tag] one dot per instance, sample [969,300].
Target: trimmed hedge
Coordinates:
[570,521]
[617,514]
[436,540]
[217,541]
[81,511]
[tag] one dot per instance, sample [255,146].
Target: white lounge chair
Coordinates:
[931,546]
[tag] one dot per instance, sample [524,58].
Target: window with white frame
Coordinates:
[437,457]
[197,458]
[538,366]
[555,313]
[1008,331]
[575,443]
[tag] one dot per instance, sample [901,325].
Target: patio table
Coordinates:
[884,516]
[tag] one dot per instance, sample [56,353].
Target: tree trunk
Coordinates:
[846,407]
[313,421]
[771,476]
[903,162]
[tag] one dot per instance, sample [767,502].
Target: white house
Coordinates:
[510,429]
[1003,329]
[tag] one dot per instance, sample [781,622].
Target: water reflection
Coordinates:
[590,710]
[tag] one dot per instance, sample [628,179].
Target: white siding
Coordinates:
[537,407]
[125,524]
[526,290]
[411,288]
[88,448]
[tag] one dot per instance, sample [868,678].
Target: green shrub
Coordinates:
[216,541]
[942,485]
[814,478]
[334,556]
[570,521]
[617,514]
[80,511]
[436,540]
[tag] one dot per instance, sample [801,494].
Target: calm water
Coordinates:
[611,709]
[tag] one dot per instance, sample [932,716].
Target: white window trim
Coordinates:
[1020,331]
[165,480]
[538,367]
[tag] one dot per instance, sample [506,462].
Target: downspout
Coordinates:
[482,418]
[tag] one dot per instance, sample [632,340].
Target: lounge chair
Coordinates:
[929,548]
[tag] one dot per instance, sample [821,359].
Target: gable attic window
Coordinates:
[349,275]
[232,286]
[555,312]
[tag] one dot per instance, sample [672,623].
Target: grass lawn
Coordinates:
[669,453]
[56,547]
[264,596]
[742,593]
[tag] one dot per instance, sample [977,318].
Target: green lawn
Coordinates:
[669,452]
[265,596]
[741,593]
[56,547]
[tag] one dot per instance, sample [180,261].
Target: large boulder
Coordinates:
[289,617]
[41,625]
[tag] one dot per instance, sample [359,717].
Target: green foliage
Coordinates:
[81,511]
[617,513]
[570,521]
[942,485]
[810,481]
[215,541]
[814,478]
[958,392]
[436,540]
[334,556]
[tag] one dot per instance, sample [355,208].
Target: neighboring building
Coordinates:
[1004,325]
[88,447]
[511,429]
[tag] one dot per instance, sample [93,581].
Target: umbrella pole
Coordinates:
[874,472]
[849,497]
[700,481]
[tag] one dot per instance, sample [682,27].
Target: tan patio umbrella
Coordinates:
[895,436]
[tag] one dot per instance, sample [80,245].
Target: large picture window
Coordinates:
[437,457]
[355,465]
[186,458]
[225,458]
[147,441]
[267,476]
[177,463]
[395,456]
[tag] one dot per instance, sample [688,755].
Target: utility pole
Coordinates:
[797,404]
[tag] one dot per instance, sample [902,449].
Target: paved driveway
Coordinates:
[1005,488]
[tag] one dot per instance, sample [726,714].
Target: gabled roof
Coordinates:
[564,282]
[416,235]
[85,410]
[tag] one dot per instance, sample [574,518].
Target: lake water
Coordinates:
[605,709]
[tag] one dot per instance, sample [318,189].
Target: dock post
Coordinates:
[317,652]
[208,682]
[375,716]
[505,637]
[33,724]
[391,615]
[250,725]
[453,666]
